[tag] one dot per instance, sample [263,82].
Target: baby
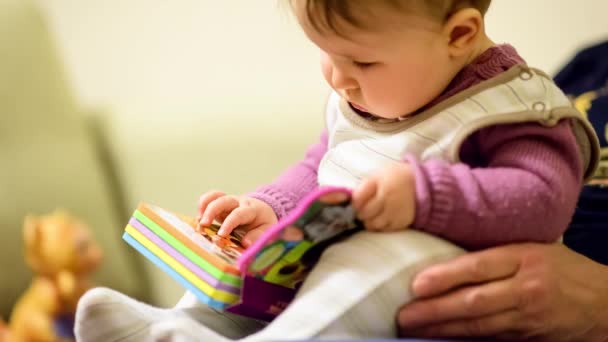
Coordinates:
[435,128]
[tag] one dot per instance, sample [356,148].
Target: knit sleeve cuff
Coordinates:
[435,193]
[280,201]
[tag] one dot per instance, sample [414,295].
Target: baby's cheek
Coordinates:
[326,69]
[386,102]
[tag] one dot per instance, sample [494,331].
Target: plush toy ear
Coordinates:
[31,233]
[31,237]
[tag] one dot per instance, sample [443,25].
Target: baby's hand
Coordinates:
[386,201]
[236,211]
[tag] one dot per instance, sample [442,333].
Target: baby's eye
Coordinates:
[363,65]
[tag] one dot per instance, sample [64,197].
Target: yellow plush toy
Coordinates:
[62,253]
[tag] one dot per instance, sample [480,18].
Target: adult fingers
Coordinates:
[472,268]
[497,324]
[218,207]
[238,217]
[465,303]
[204,201]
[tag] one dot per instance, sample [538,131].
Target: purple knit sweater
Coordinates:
[516,182]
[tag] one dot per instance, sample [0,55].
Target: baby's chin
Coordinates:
[394,115]
[376,114]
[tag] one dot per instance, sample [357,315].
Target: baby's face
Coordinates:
[391,70]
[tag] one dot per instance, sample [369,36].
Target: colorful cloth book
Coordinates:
[259,281]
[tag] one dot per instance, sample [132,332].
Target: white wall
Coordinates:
[192,78]
[198,57]
[195,60]
[187,57]
[224,94]
[548,32]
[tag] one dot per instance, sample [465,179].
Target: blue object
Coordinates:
[585,78]
[587,74]
[64,326]
[588,232]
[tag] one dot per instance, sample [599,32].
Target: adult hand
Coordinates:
[515,292]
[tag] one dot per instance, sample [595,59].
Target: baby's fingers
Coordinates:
[238,217]
[369,201]
[217,208]
[363,193]
[207,198]
[334,198]
[254,234]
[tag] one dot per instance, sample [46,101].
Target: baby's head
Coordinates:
[391,57]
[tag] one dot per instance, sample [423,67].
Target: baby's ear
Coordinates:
[462,30]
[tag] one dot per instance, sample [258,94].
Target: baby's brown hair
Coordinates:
[324,14]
